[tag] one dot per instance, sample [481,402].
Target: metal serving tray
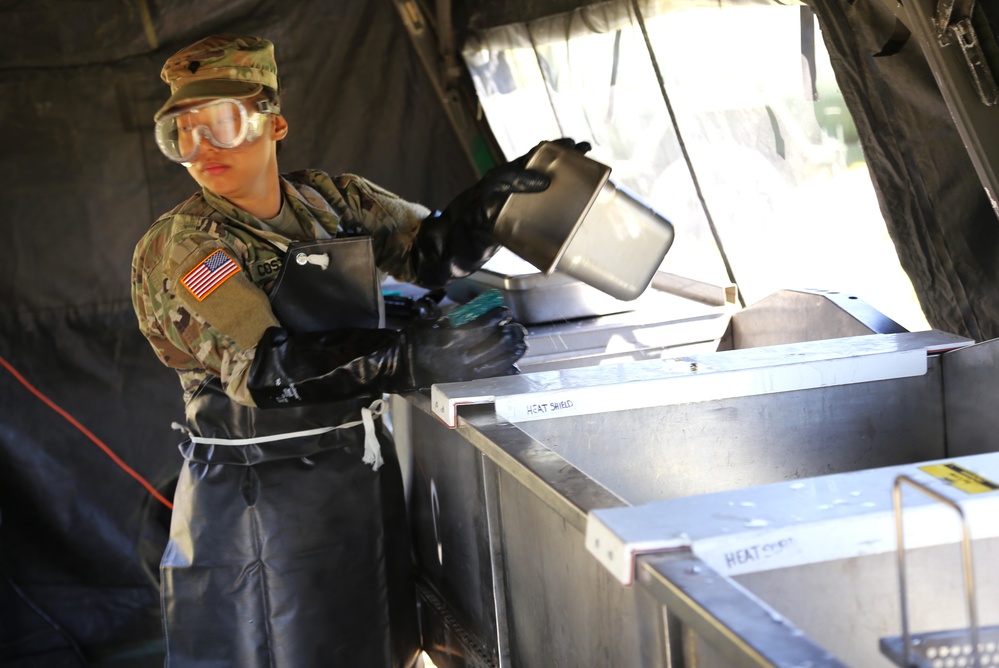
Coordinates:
[533,296]
[539,226]
[585,226]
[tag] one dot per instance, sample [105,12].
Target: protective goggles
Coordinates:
[224,122]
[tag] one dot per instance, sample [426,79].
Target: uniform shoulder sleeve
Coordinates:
[392,221]
[194,300]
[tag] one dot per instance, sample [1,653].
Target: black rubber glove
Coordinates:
[457,241]
[315,367]
[486,347]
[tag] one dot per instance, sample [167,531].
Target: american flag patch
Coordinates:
[209,274]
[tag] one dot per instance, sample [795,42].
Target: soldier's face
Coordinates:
[244,172]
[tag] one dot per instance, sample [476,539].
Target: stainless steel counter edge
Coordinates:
[563,487]
[724,374]
[737,624]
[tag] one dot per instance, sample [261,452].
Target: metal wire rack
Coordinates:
[974,646]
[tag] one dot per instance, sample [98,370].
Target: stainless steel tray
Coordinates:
[585,226]
[539,226]
[533,297]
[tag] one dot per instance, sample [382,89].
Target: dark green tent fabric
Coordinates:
[82,179]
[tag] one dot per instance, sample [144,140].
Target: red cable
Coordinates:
[100,444]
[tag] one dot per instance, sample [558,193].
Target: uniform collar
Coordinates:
[303,210]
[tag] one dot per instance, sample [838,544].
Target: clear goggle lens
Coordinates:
[224,123]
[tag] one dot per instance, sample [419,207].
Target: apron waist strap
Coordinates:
[372,449]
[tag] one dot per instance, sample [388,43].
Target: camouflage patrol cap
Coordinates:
[223,65]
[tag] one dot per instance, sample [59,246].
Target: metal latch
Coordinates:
[953,23]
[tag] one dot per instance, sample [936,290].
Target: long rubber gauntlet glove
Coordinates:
[290,369]
[306,368]
[488,346]
[457,241]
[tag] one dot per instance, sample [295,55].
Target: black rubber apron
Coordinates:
[286,549]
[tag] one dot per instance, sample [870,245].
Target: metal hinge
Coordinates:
[953,23]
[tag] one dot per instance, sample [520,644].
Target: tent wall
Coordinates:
[82,180]
[937,211]
[938,214]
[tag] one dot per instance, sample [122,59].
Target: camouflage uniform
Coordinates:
[286,550]
[342,524]
[216,336]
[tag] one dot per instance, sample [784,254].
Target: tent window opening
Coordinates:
[748,132]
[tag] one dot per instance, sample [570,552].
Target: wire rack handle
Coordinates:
[966,563]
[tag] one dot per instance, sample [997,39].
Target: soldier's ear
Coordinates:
[279,128]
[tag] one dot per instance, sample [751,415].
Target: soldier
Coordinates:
[288,544]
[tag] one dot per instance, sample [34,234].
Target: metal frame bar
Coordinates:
[440,62]
[744,629]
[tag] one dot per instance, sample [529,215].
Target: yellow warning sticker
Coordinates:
[961,478]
